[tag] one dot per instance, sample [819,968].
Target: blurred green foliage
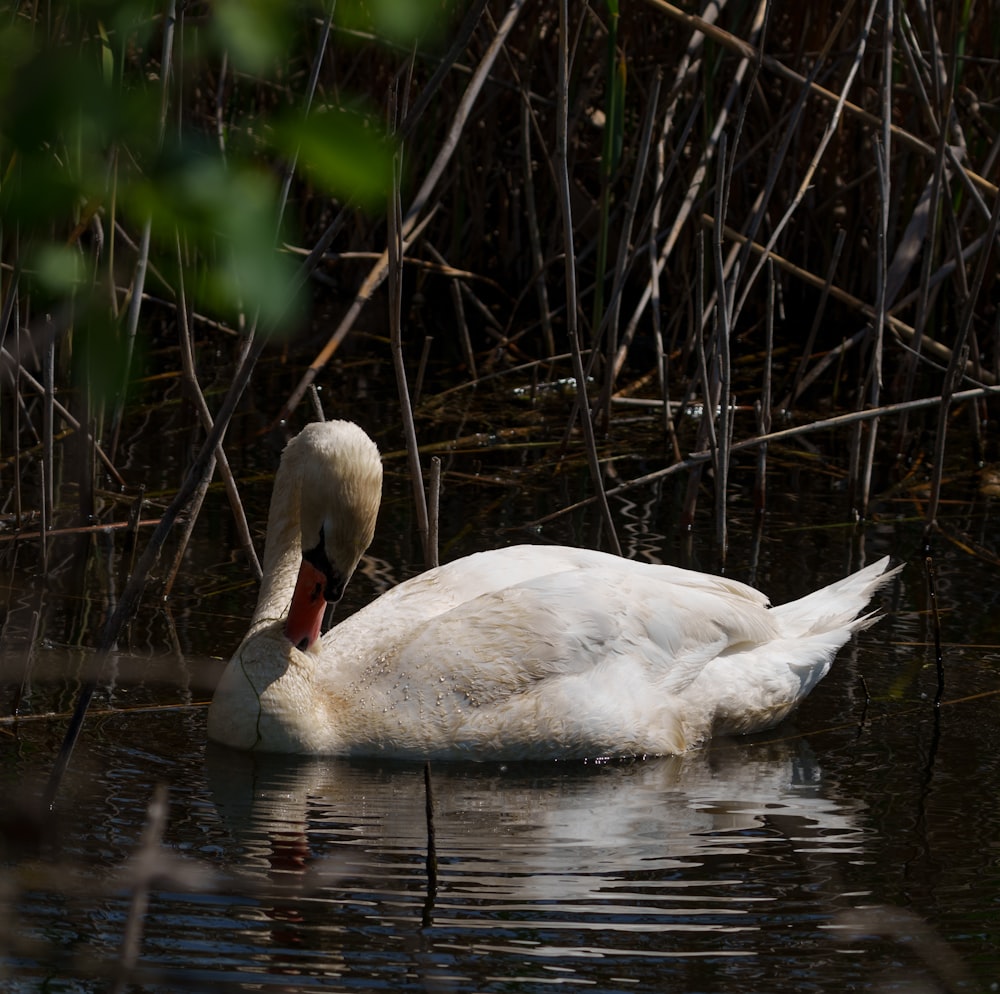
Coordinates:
[398,21]
[99,139]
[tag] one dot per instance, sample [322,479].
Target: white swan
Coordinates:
[528,652]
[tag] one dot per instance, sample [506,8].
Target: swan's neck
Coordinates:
[282,553]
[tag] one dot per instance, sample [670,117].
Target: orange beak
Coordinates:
[305,614]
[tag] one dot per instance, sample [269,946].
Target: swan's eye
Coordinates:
[317,557]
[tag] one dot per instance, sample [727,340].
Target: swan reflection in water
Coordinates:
[740,853]
[537,832]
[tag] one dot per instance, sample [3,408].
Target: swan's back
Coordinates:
[541,652]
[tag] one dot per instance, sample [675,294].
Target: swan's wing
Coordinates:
[658,624]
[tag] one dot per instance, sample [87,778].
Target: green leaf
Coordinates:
[344,152]
[226,218]
[58,268]
[401,22]
[253,270]
[58,119]
[107,56]
[255,33]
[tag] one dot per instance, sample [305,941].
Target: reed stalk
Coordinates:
[219,461]
[722,360]
[582,408]
[611,149]
[395,274]
[149,847]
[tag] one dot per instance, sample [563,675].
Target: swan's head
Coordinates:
[339,472]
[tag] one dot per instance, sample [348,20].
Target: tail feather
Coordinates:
[838,605]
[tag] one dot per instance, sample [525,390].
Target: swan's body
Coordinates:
[525,652]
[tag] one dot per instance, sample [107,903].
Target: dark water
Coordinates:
[856,847]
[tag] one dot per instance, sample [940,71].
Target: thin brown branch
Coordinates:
[412,222]
[747,51]
[697,459]
[842,296]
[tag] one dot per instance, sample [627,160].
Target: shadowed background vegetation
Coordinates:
[777,207]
